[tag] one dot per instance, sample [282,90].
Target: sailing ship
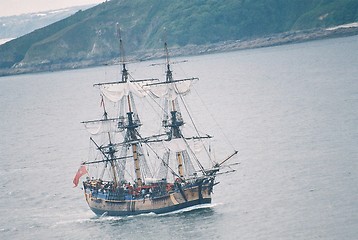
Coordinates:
[132,174]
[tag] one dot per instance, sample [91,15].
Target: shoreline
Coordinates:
[193,50]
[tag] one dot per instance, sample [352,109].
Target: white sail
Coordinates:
[171,90]
[98,127]
[175,145]
[179,144]
[197,145]
[116,91]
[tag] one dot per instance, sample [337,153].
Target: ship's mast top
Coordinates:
[122,55]
[169,75]
[176,120]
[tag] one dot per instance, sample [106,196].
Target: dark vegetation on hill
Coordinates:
[90,35]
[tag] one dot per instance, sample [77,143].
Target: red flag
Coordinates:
[81,171]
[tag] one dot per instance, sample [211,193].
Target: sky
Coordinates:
[17,7]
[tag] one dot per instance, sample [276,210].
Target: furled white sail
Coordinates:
[175,145]
[98,127]
[115,91]
[179,144]
[197,145]
[171,90]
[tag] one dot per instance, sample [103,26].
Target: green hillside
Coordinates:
[90,35]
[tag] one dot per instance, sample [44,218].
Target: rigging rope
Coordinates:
[192,152]
[196,129]
[216,123]
[164,163]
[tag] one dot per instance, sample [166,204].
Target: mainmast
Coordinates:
[131,134]
[132,137]
[128,121]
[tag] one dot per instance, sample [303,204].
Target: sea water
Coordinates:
[291,111]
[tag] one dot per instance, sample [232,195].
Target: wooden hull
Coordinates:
[171,202]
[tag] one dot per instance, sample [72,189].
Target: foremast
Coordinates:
[175,89]
[175,115]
